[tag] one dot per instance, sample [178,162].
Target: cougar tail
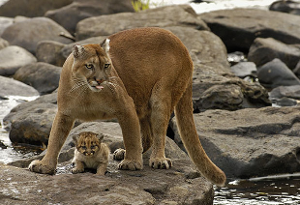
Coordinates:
[189,136]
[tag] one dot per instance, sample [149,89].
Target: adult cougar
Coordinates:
[138,76]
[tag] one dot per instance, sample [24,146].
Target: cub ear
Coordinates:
[78,51]
[75,139]
[105,45]
[100,137]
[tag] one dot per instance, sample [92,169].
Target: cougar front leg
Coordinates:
[60,129]
[130,126]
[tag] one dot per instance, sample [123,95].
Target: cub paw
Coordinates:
[160,163]
[130,165]
[119,154]
[76,171]
[40,167]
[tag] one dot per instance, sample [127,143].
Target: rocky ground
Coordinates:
[232,95]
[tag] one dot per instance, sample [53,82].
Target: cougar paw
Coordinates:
[40,167]
[160,163]
[130,165]
[119,154]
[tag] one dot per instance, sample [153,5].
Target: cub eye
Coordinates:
[92,147]
[89,66]
[83,147]
[106,65]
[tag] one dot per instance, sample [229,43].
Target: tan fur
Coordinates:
[90,153]
[150,75]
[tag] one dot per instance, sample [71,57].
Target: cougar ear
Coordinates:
[100,137]
[105,45]
[75,139]
[78,51]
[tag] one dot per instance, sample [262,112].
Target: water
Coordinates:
[274,190]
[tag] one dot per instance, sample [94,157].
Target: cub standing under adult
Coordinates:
[138,76]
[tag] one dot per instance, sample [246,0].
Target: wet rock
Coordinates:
[29,33]
[244,69]
[11,87]
[82,9]
[286,91]
[50,52]
[30,8]
[3,43]
[160,17]
[116,187]
[42,76]
[31,122]
[12,58]
[264,50]
[239,27]
[251,142]
[276,73]
[4,23]
[286,6]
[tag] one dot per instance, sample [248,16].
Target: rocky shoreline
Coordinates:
[239,129]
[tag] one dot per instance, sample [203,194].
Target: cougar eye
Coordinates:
[92,147]
[83,147]
[106,65]
[89,66]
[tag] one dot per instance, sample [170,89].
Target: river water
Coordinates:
[269,190]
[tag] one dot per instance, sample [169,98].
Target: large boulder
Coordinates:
[239,27]
[12,58]
[286,6]
[42,76]
[264,50]
[3,43]
[275,73]
[50,52]
[11,87]
[250,142]
[30,8]
[71,14]
[159,17]
[31,122]
[29,33]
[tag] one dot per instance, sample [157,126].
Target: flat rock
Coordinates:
[276,73]
[160,17]
[12,58]
[116,187]
[82,9]
[239,27]
[42,76]
[30,8]
[264,50]
[11,87]
[251,142]
[29,33]
[244,69]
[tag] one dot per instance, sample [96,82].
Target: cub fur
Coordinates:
[90,152]
[140,77]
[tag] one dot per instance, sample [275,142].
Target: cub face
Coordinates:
[91,66]
[88,143]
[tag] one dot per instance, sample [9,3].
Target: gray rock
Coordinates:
[82,9]
[264,50]
[42,76]
[159,17]
[244,69]
[292,91]
[31,122]
[12,58]
[29,33]
[276,73]
[30,8]
[250,142]
[50,52]
[4,23]
[285,6]
[11,87]
[239,27]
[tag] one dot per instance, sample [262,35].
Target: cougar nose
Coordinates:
[99,81]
